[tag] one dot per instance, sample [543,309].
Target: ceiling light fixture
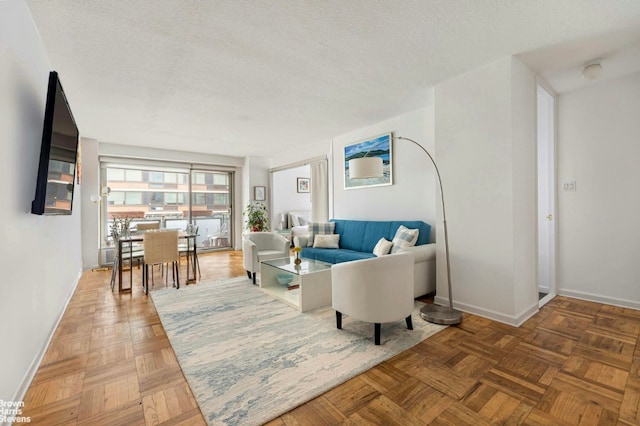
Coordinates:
[592,69]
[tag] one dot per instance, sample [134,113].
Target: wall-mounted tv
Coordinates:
[57,167]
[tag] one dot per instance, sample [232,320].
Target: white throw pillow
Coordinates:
[382,247]
[295,221]
[330,241]
[404,237]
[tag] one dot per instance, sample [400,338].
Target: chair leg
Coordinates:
[254,277]
[409,323]
[377,333]
[145,281]
[339,320]
[249,274]
[177,266]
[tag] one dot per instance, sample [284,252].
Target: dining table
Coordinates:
[130,240]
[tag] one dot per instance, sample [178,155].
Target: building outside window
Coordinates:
[144,194]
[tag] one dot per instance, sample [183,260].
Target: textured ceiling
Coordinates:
[260,77]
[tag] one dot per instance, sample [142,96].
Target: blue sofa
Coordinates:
[359,237]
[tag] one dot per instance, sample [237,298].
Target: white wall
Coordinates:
[90,211]
[285,195]
[486,149]
[413,193]
[41,255]
[598,232]
[255,173]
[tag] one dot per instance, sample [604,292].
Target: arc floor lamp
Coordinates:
[369,167]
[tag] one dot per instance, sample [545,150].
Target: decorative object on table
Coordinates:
[297,260]
[259,193]
[256,217]
[297,356]
[366,167]
[372,152]
[284,279]
[119,227]
[304,184]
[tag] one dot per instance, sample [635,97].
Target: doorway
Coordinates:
[546,109]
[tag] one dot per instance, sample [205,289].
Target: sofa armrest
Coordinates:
[249,255]
[283,243]
[421,253]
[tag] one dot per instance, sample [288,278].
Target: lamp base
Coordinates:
[439,314]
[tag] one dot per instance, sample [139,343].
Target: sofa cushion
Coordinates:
[382,247]
[333,256]
[404,238]
[359,237]
[329,241]
[363,235]
[319,228]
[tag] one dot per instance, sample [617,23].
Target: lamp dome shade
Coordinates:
[592,71]
[365,167]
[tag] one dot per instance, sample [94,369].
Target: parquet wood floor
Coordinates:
[574,363]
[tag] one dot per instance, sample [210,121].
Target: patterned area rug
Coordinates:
[250,358]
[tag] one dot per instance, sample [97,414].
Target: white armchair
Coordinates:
[260,246]
[377,290]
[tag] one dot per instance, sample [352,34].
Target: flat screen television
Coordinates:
[58,151]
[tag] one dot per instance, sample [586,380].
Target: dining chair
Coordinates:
[160,247]
[145,226]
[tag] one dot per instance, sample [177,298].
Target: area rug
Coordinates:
[249,358]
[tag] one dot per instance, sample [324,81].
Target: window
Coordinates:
[133,175]
[115,174]
[147,192]
[198,178]
[220,179]
[174,198]
[220,199]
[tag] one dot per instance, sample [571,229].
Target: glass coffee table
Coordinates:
[310,285]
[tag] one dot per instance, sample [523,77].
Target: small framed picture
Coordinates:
[304,185]
[259,193]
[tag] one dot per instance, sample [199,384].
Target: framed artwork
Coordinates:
[259,193]
[304,185]
[377,146]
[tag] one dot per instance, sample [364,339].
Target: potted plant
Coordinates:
[257,219]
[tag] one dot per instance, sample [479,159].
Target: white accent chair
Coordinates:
[260,246]
[377,290]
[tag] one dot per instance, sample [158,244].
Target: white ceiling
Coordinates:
[268,78]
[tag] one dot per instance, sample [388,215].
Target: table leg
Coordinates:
[119,266]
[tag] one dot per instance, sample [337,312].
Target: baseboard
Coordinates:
[515,321]
[35,364]
[590,297]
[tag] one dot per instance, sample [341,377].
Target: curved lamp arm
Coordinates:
[365,167]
